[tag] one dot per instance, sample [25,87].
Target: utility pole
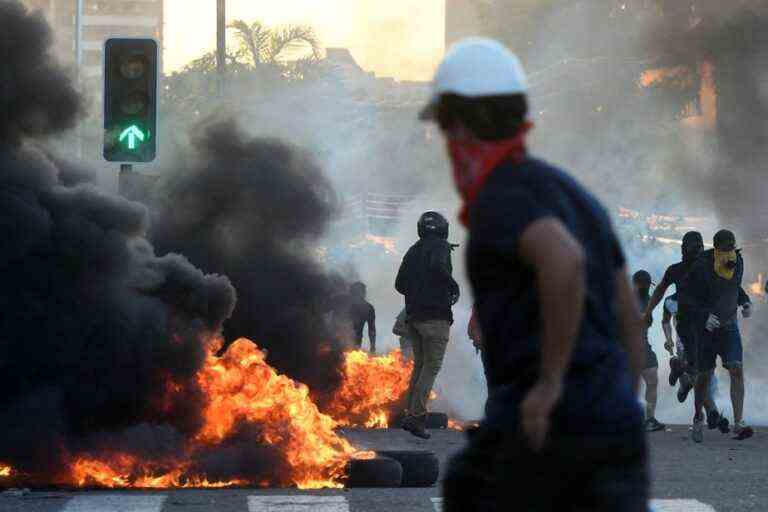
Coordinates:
[79,65]
[221,42]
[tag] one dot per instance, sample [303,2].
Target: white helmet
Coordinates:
[476,67]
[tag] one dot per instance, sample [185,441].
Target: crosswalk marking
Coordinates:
[129,502]
[680,506]
[656,506]
[297,504]
[115,503]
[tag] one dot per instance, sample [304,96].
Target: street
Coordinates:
[719,475]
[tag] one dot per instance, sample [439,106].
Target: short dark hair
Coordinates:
[724,240]
[487,118]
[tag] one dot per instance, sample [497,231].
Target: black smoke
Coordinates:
[93,323]
[254,209]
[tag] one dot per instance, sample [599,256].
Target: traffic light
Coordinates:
[130,99]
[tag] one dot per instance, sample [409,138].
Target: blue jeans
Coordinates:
[724,342]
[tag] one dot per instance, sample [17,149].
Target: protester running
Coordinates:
[715,287]
[693,245]
[558,315]
[641,280]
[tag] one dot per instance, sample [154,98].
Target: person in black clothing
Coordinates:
[715,288]
[686,370]
[693,245]
[560,322]
[426,280]
[351,311]
[641,280]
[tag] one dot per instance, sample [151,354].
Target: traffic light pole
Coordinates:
[124,180]
[221,42]
[78,66]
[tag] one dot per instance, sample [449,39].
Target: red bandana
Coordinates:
[474,161]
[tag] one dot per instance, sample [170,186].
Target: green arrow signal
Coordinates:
[132,133]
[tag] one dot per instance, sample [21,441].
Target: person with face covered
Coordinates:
[692,246]
[641,280]
[559,320]
[716,293]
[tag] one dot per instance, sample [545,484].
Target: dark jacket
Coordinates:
[711,294]
[425,279]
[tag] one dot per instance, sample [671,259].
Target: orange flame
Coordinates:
[371,386]
[680,74]
[758,287]
[5,470]
[240,388]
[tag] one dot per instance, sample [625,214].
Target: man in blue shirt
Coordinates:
[560,321]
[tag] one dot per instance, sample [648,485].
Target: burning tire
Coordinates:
[420,468]
[437,420]
[375,472]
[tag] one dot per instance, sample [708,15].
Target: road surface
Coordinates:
[720,475]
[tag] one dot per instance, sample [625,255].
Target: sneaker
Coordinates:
[676,369]
[742,431]
[416,427]
[654,425]
[724,426]
[697,433]
[715,420]
[686,385]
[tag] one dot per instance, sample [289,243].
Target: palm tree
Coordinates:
[265,45]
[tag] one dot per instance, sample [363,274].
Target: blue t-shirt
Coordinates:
[598,395]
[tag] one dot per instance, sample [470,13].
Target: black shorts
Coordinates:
[498,472]
[689,338]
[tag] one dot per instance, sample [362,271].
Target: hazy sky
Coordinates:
[400,38]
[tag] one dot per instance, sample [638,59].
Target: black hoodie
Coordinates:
[425,279]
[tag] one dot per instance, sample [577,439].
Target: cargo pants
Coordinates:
[430,339]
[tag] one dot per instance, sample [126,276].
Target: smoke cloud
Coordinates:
[94,323]
[254,209]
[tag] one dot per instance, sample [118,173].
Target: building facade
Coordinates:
[101,20]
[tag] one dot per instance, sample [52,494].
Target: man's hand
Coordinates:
[536,412]
[712,323]
[746,310]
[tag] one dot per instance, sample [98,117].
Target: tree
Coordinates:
[264,45]
[264,59]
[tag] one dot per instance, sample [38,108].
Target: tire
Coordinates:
[376,472]
[437,420]
[420,468]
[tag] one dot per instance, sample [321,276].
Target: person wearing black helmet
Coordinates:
[717,295]
[641,280]
[426,280]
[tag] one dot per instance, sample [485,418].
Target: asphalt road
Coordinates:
[719,475]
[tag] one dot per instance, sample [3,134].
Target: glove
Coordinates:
[669,346]
[712,323]
[746,310]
